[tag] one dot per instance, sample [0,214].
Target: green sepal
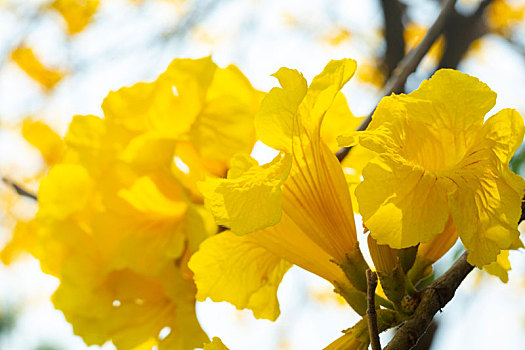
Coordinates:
[393,285]
[407,257]
[421,269]
[356,299]
[354,266]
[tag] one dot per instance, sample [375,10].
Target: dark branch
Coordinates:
[408,64]
[19,189]
[393,12]
[433,299]
[460,32]
[371,279]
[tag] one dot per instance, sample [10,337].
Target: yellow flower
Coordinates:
[502,17]
[194,100]
[119,214]
[207,111]
[77,13]
[436,158]
[296,208]
[26,59]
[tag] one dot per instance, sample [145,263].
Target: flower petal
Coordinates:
[251,198]
[459,101]
[232,268]
[387,200]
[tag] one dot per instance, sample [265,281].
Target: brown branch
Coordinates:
[371,279]
[433,299]
[393,12]
[460,32]
[19,189]
[408,64]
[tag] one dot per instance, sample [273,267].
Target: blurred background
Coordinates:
[59,58]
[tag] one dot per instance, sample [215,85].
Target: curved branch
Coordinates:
[408,64]
[393,12]
[433,299]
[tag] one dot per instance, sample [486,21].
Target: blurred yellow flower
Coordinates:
[503,16]
[77,13]
[26,59]
[337,36]
[413,35]
[434,149]
[119,214]
[370,72]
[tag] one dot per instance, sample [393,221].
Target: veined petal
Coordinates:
[287,110]
[387,197]
[275,122]
[317,198]
[291,243]
[232,268]
[485,198]
[459,101]
[504,131]
[323,91]
[251,198]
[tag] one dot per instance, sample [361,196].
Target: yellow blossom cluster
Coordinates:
[128,212]
[119,211]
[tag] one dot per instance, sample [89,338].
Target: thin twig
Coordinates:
[19,189]
[408,64]
[433,299]
[371,279]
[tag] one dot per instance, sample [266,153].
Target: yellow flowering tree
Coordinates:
[159,203]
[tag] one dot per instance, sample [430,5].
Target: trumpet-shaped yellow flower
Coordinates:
[296,208]
[436,158]
[26,59]
[77,13]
